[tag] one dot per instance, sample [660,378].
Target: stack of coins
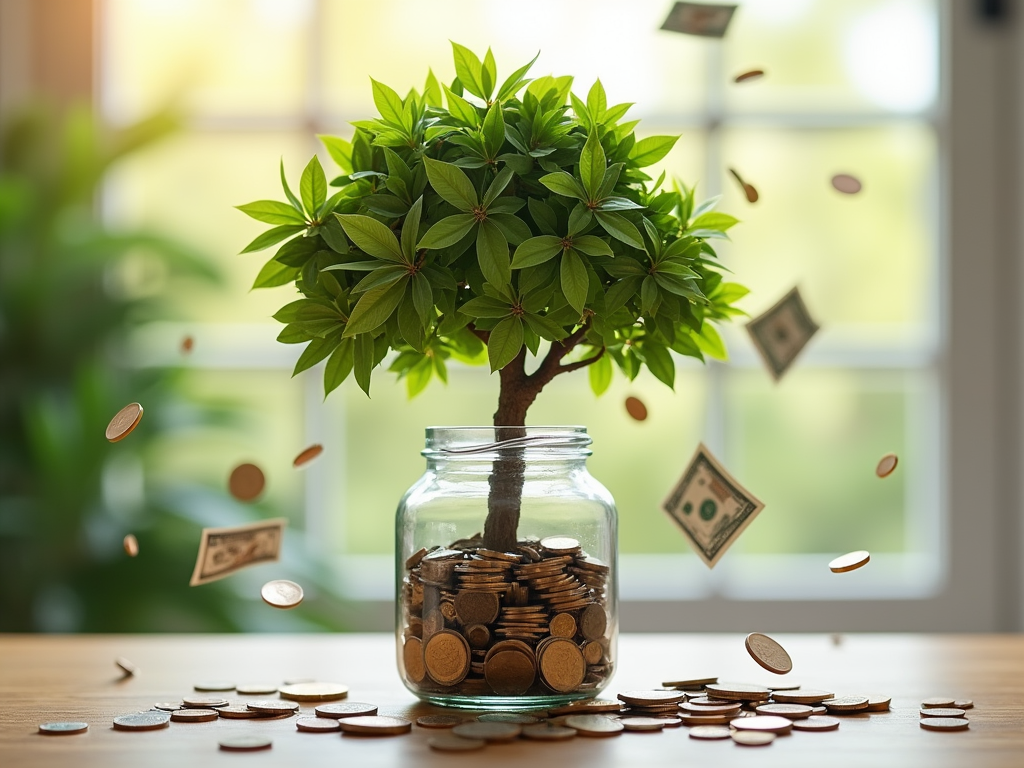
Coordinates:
[529,622]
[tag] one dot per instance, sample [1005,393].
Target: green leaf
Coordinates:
[371,236]
[650,150]
[469,70]
[515,81]
[711,343]
[714,220]
[375,307]
[486,306]
[615,298]
[620,228]
[488,74]
[272,237]
[423,297]
[388,103]
[659,361]
[492,254]
[597,103]
[544,327]
[729,293]
[575,281]
[600,373]
[418,377]
[536,250]
[452,184]
[334,235]
[339,150]
[387,206]
[512,227]
[364,361]
[649,293]
[448,231]
[339,366]
[562,183]
[543,216]
[580,218]
[592,245]
[582,113]
[496,187]
[314,352]
[411,230]
[432,90]
[274,273]
[288,191]
[313,187]
[505,342]
[461,109]
[272,212]
[592,166]
[352,266]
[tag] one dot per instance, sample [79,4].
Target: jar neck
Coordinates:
[460,446]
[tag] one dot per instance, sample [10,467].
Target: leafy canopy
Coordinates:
[474,219]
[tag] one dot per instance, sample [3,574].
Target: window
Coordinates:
[852,86]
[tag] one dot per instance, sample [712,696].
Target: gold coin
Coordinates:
[642,723]
[125,666]
[446,657]
[131,545]
[562,625]
[886,465]
[186,345]
[194,715]
[315,691]
[317,724]
[937,701]
[942,712]
[944,723]
[447,742]
[846,704]
[246,482]
[510,673]
[67,728]
[816,723]
[143,721]
[281,593]
[488,731]
[792,711]
[214,686]
[412,658]
[562,665]
[273,707]
[256,689]
[750,74]
[850,561]
[768,723]
[710,732]
[879,703]
[737,691]
[439,721]
[753,738]
[475,607]
[768,653]
[341,709]
[245,743]
[548,732]
[847,184]
[241,712]
[593,621]
[124,422]
[595,725]
[636,408]
[307,455]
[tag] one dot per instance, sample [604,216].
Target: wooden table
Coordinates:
[46,678]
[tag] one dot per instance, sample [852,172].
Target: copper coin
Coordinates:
[446,657]
[562,625]
[246,482]
[692,720]
[695,682]
[341,709]
[67,728]
[488,731]
[207,686]
[256,689]
[750,74]
[314,691]
[281,593]
[816,723]
[718,709]
[447,742]
[131,545]
[847,184]
[850,561]
[439,721]
[124,422]
[769,723]
[273,707]
[548,732]
[412,658]
[887,465]
[375,725]
[317,724]
[942,712]
[847,704]
[194,715]
[240,712]
[143,721]
[475,607]
[636,408]
[792,711]
[204,702]
[879,703]
[595,725]
[710,732]
[944,723]
[737,691]
[510,673]
[802,696]
[768,653]
[307,455]
[937,701]
[186,345]
[167,706]
[125,665]
[562,664]
[753,738]
[642,723]
[245,743]
[593,621]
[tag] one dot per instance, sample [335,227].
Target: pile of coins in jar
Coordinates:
[482,623]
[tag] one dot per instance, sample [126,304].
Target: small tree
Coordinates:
[508,225]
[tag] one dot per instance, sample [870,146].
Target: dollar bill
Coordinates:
[222,551]
[710,506]
[781,333]
[699,19]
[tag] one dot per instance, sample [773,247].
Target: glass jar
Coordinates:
[506,570]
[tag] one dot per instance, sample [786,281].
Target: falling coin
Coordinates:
[63,728]
[131,545]
[768,653]
[944,723]
[450,743]
[887,465]
[281,593]
[246,482]
[125,666]
[186,345]
[124,422]
[850,561]
[749,190]
[636,408]
[245,743]
[847,184]
[307,455]
[750,74]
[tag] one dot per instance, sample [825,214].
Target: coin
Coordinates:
[593,621]
[593,652]
[886,465]
[753,738]
[125,666]
[963,704]
[204,702]
[768,653]
[642,723]
[439,721]
[937,701]
[769,723]
[510,673]
[273,707]
[750,74]
[412,657]
[447,742]
[186,345]
[816,723]
[560,544]
[944,723]
[792,711]
[446,657]
[281,593]
[245,743]
[850,561]
[717,709]
[246,482]
[214,685]
[562,625]
[256,689]
[167,706]
[548,732]
[802,696]
[636,408]
[317,724]
[194,715]
[314,691]
[124,421]
[846,704]
[595,725]
[307,455]
[240,712]
[67,728]
[847,184]
[692,720]
[488,731]
[561,663]
[942,712]
[475,607]
[131,545]
[341,709]
[507,717]
[143,721]
[737,691]
[375,725]
[879,703]
[696,682]
[710,732]
[589,707]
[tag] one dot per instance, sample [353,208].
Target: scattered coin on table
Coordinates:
[240,712]
[245,743]
[768,723]
[488,731]
[307,455]
[143,721]
[802,696]
[194,715]
[642,723]
[710,732]
[447,742]
[256,689]
[738,691]
[879,703]
[792,711]
[204,702]
[635,407]
[168,706]
[753,738]
[768,653]
[963,704]
[587,707]
[846,704]
[847,184]
[376,725]
[131,545]
[816,723]
[246,482]
[341,709]
[694,682]
[125,666]
[124,421]
[942,712]
[548,732]
[595,725]
[944,723]
[213,686]
[281,593]
[313,691]
[63,729]
[273,707]
[317,724]
[937,701]
[851,561]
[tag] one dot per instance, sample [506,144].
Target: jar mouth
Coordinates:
[478,442]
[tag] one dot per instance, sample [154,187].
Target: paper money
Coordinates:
[699,19]
[782,332]
[222,551]
[710,506]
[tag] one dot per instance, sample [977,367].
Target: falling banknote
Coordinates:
[699,19]
[781,333]
[222,551]
[710,506]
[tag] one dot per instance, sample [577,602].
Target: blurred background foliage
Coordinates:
[71,290]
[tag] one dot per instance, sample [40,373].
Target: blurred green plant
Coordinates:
[67,497]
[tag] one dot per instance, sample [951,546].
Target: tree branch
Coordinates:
[581,363]
[482,335]
[548,368]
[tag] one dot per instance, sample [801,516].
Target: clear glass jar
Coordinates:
[532,620]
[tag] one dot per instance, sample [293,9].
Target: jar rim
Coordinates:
[477,442]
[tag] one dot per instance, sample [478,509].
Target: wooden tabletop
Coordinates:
[49,678]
